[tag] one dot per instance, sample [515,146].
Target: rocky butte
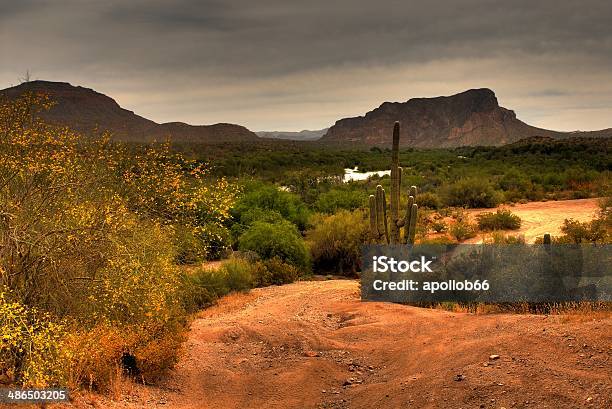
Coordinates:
[473,117]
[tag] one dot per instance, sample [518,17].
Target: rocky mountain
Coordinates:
[304,135]
[88,111]
[473,117]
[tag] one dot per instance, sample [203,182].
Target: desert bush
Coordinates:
[502,219]
[429,200]
[271,198]
[332,201]
[31,345]
[500,238]
[215,239]
[257,214]
[274,271]
[88,249]
[95,356]
[238,274]
[463,230]
[201,288]
[580,232]
[160,185]
[189,250]
[439,226]
[249,216]
[444,240]
[281,240]
[335,242]
[515,180]
[472,192]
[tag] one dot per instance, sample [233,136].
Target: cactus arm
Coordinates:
[381,212]
[400,170]
[413,192]
[384,207]
[400,221]
[407,218]
[412,224]
[373,227]
[395,186]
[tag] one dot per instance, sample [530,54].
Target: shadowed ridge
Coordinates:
[88,112]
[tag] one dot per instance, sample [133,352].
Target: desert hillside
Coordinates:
[88,111]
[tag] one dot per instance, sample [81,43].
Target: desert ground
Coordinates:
[545,217]
[316,345]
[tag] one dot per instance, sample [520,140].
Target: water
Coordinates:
[354,174]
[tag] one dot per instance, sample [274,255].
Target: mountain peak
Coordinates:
[472,117]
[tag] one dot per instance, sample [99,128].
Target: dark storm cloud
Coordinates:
[301,64]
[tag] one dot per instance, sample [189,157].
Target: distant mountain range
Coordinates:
[473,117]
[88,111]
[304,135]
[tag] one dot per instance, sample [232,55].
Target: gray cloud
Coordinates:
[274,64]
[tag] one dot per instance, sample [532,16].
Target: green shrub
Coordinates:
[335,242]
[580,194]
[280,240]
[439,226]
[463,230]
[271,198]
[250,216]
[274,272]
[429,200]
[444,240]
[201,287]
[595,231]
[500,238]
[238,274]
[257,214]
[502,219]
[336,199]
[515,180]
[473,193]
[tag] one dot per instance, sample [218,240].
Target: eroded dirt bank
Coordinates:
[316,345]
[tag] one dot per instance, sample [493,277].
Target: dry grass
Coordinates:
[583,308]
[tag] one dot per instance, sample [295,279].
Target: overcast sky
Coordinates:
[292,65]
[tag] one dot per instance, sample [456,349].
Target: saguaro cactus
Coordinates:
[390,231]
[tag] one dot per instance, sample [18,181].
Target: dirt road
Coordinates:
[316,345]
[545,217]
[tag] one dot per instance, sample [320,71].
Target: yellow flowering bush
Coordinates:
[32,342]
[163,186]
[88,245]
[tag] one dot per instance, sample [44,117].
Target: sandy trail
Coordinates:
[545,217]
[316,345]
